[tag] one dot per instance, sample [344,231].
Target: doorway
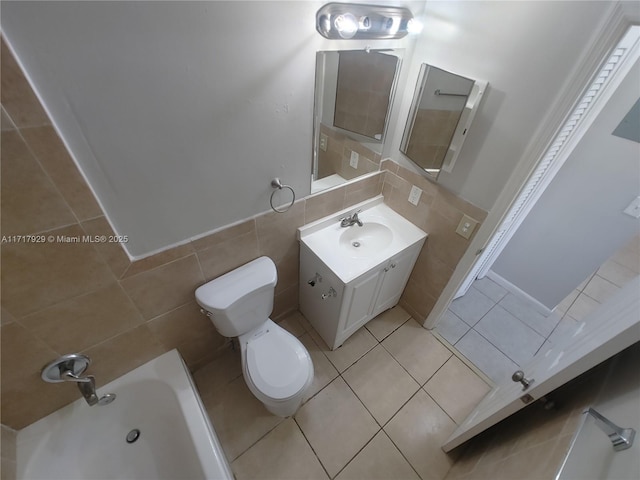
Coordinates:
[495,324]
[499,332]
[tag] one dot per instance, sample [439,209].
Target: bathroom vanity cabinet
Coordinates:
[337,309]
[354,270]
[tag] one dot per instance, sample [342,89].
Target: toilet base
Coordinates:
[284,410]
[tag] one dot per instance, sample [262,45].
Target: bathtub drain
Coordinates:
[133,435]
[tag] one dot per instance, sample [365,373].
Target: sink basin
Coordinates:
[366,240]
[352,251]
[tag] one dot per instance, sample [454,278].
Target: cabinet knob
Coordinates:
[518,376]
[393,265]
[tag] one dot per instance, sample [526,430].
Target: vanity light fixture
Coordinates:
[369,22]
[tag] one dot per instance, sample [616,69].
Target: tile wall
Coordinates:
[363,91]
[337,156]
[431,149]
[438,213]
[61,297]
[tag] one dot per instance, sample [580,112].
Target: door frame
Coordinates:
[487,243]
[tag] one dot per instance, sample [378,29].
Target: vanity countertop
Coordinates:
[351,251]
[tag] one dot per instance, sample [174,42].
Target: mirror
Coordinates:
[443,107]
[354,92]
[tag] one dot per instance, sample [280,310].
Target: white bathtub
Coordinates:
[159,398]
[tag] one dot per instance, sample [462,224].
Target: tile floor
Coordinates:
[380,407]
[499,332]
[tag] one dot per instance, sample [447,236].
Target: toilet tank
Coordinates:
[241,299]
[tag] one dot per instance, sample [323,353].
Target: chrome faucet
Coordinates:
[621,438]
[69,368]
[86,385]
[351,220]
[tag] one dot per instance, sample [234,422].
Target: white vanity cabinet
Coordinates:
[337,316]
[354,270]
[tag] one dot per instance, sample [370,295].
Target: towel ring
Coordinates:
[276,183]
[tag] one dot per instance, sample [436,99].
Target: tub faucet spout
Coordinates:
[69,368]
[86,385]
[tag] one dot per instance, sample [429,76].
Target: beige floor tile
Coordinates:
[379,460]
[282,454]
[417,350]
[385,323]
[584,282]
[566,303]
[291,323]
[216,375]
[239,418]
[600,289]
[323,370]
[351,350]
[305,323]
[628,256]
[336,424]
[616,273]
[582,306]
[380,383]
[457,389]
[418,430]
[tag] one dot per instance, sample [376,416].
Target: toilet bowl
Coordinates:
[276,367]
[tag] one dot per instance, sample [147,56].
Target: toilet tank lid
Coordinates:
[222,292]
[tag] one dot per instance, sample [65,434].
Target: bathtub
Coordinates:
[176,439]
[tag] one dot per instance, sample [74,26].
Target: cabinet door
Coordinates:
[394,280]
[362,298]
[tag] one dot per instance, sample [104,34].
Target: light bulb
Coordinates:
[414,26]
[346,24]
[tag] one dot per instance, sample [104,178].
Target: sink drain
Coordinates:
[133,435]
[356,244]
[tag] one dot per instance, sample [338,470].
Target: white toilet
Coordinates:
[276,366]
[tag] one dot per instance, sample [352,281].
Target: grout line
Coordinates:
[44,170]
[441,407]
[295,420]
[398,447]
[460,356]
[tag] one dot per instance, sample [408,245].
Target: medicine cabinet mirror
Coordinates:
[444,105]
[353,97]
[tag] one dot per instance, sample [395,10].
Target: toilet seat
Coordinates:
[277,363]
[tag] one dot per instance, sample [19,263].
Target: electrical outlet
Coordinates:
[466,227]
[414,195]
[353,161]
[323,142]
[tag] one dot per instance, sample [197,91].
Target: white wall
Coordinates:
[178,113]
[578,221]
[526,51]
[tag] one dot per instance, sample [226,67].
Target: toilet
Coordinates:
[276,366]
